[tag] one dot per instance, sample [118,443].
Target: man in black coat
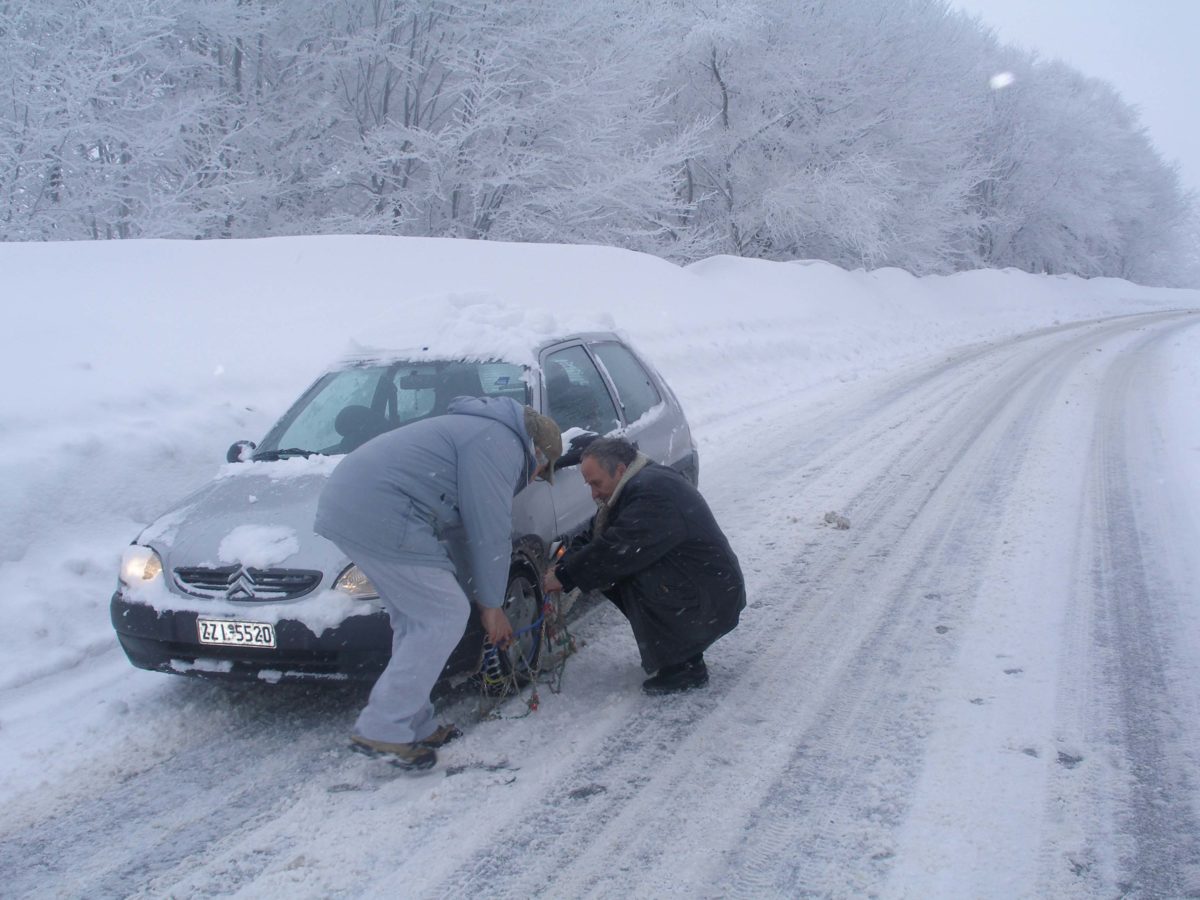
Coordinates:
[656,552]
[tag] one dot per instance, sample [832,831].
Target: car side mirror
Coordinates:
[240,451]
[574,452]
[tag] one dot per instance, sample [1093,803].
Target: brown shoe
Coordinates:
[405,756]
[441,736]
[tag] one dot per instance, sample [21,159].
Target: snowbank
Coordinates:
[129,367]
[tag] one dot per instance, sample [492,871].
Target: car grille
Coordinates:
[246,583]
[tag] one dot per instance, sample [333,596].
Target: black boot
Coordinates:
[684,676]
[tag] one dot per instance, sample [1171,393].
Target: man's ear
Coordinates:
[620,470]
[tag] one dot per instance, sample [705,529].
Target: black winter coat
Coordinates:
[665,563]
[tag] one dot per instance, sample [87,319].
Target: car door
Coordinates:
[578,397]
[652,419]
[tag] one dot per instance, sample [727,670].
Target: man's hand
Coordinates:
[496,624]
[550,582]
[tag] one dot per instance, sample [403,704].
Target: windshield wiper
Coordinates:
[272,455]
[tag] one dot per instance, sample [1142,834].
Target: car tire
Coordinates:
[523,606]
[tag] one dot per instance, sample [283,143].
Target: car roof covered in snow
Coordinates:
[509,349]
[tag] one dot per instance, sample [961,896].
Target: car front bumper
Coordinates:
[167,641]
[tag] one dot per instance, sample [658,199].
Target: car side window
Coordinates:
[576,395]
[634,386]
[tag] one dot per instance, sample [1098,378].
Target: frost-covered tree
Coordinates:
[838,131]
[1076,185]
[125,120]
[522,120]
[81,88]
[864,132]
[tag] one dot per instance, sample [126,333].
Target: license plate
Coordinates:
[235,634]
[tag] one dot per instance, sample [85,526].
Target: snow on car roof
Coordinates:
[471,326]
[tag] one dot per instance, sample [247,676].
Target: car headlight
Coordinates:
[139,564]
[356,584]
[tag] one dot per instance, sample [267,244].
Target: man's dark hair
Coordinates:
[610,453]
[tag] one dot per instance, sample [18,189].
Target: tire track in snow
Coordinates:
[1125,763]
[973,456]
[855,755]
[180,791]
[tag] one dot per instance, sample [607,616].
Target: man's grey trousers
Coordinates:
[428,611]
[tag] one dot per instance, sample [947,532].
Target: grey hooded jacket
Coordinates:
[401,493]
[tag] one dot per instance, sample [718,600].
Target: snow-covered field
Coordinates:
[985,687]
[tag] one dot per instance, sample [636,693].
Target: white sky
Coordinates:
[1146,48]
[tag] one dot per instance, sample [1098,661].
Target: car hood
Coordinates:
[254,514]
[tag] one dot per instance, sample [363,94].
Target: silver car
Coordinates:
[232,582]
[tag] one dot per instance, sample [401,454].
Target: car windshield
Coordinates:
[346,408]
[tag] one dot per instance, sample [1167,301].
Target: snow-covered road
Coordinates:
[984,687]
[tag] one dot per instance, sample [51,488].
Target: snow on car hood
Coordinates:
[259,515]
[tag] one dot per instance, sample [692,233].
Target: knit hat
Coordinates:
[547,439]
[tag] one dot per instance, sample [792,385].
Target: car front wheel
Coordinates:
[523,606]
[503,671]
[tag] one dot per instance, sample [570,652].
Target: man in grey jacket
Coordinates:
[388,506]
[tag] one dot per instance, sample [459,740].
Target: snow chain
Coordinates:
[555,643]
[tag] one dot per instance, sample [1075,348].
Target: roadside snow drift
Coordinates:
[130,366]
